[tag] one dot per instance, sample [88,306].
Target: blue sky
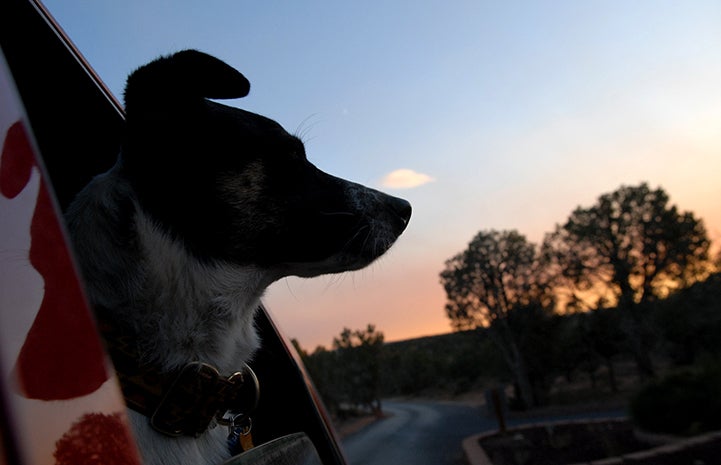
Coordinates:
[517,112]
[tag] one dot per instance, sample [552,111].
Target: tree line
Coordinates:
[348,377]
[684,331]
[629,277]
[616,259]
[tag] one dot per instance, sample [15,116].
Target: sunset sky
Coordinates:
[484,115]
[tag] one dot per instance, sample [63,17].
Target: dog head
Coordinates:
[235,186]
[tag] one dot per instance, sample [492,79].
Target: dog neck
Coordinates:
[201,316]
[194,310]
[159,307]
[177,308]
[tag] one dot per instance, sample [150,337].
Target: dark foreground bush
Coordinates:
[681,404]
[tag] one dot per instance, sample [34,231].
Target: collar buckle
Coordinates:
[199,395]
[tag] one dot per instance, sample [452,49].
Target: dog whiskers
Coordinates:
[365,229]
[305,127]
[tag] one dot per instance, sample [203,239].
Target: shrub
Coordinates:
[682,404]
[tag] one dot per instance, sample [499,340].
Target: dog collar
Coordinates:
[186,402]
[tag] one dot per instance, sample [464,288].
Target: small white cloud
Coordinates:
[405,179]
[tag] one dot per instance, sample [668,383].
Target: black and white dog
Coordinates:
[206,206]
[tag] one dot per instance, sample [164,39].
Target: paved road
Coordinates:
[425,433]
[416,434]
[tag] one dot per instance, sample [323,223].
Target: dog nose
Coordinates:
[402,208]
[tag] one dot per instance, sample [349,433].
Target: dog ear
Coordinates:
[187,74]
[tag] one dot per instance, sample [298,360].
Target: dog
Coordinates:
[206,206]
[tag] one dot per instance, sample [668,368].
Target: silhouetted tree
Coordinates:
[301,351]
[324,369]
[359,357]
[498,273]
[573,350]
[327,375]
[537,331]
[690,322]
[635,247]
[602,331]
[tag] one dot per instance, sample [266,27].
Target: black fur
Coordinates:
[180,147]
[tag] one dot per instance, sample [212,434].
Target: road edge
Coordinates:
[475,455]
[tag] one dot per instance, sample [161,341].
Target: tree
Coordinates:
[690,322]
[602,332]
[359,357]
[350,373]
[537,330]
[497,274]
[325,370]
[631,247]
